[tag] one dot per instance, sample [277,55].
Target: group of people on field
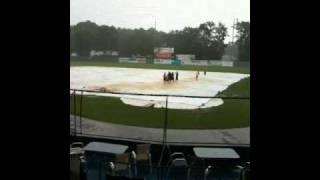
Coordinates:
[170,76]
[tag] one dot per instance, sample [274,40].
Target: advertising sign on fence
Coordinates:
[215,63]
[175,62]
[162,61]
[195,62]
[186,57]
[132,60]
[227,63]
[114,53]
[220,63]
[124,59]
[141,59]
[96,53]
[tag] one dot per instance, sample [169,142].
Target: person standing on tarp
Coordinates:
[205,72]
[177,76]
[164,77]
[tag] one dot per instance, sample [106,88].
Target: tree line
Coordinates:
[205,41]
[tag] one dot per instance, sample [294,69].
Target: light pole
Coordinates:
[231,57]
[155,21]
[232,43]
[154,17]
[155,29]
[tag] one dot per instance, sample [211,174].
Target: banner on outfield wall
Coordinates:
[141,60]
[214,63]
[207,63]
[200,62]
[175,62]
[124,59]
[162,61]
[104,53]
[227,63]
[195,62]
[220,63]
[137,60]
[186,57]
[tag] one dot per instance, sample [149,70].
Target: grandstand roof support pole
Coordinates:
[164,142]
[165,123]
[81,112]
[74,112]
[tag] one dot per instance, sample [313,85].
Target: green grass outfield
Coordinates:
[232,114]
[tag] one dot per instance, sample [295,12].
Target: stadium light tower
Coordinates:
[235,22]
[155,26]
[233,25]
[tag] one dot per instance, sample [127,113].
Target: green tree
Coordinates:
[243,29]
[212,40]
[85,37]
[206,41]
[72,44]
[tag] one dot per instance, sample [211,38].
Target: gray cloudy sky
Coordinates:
[169,14]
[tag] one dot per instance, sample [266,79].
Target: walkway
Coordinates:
[225,136]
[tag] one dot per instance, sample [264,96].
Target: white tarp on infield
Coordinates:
[150,81]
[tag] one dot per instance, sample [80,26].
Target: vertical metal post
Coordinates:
[165,122]
[74,111]
[81,112]
[166,125]
[164,139]
[99,170]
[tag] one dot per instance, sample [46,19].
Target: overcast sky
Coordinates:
[169,14]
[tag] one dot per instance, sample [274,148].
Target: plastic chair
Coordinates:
[76,148]
[142,154]
[121,164]
[207,171]
[77,145]
[197,166]
[177,168]
[175,156]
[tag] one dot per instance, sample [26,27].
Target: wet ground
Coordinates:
[225,136]
[150,81]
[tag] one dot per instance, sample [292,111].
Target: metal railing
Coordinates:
[81,92]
